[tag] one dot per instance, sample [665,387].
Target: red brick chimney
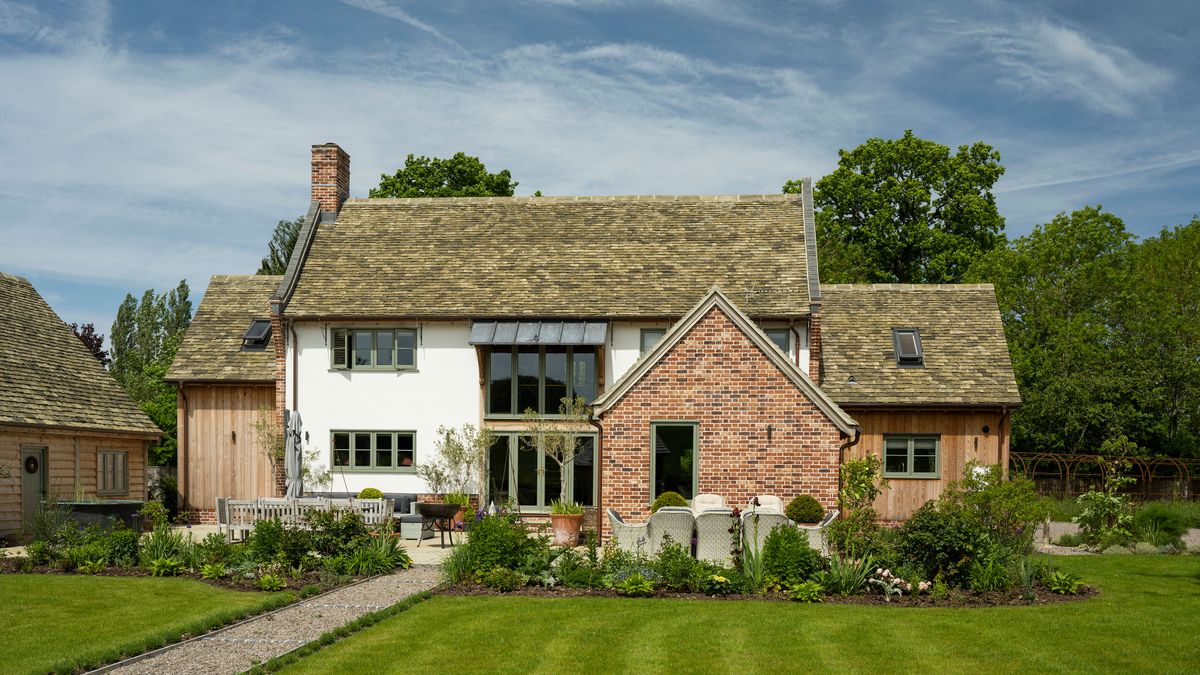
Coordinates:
[330,176]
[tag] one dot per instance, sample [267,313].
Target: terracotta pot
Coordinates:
[458,517]
[566,528]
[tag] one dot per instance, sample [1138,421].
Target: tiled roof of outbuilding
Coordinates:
[212,348]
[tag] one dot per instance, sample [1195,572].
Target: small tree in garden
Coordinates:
[861,485]
[1006,509]
[268,437]
[558,438]
[461,454]
[1107,515]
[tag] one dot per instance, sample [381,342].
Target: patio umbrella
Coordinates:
[291,454]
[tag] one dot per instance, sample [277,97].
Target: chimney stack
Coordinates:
[330,176]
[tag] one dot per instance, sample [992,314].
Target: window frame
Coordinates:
[259,344]
[352,468]
[348,334]
[917,361]
[514,457]
[643,348]
[911,473]
[695,425]
[787,337]
[105,472]
[515,378]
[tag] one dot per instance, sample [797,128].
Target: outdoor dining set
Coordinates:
[706,526]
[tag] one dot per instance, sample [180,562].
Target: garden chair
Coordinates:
[713,541]
[676,522]
[222,515]
[767,503]
[767,520]
[243,514]
[704,502]
[630,538]
[816,533]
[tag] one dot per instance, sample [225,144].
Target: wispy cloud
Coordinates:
[81,23]
[386,9]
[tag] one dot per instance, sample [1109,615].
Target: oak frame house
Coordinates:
[696,326]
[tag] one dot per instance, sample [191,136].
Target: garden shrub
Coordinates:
[1105,517]
[121,546]
[808,591]
[503,580]
[576,571]
[1008,510]
[702,579]
[1117,549]
[668,499]
[154,514]
[1160,524]
[635,586]
[674,565]
[40,552]
[81,554]
[500,541]
[1064,583]
[333,532]
[942,538]
[788,557]
[985,576]
[214,549]
[294,546]
[165,567]
[458,567]
[805,509]
[370,493]
[214,570]
[271,582]
[162,543]
[266,541]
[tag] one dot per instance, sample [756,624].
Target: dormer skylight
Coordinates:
[257,336]
[907,342]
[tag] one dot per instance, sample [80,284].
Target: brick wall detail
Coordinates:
[718,377]
[814,345]
[330,176]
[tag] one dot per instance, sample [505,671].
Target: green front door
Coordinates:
[33,481]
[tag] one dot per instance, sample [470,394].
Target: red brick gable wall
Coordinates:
[718,377]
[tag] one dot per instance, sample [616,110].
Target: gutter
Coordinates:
[599,473]
[842,460]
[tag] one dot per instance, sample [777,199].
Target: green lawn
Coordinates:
[1144,620]
[49,622]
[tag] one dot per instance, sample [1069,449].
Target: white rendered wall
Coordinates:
[443,391]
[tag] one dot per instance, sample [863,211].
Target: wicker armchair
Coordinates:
[767,503]
[713,540]
[628,537]
[676,522]
[704,502]
[816,533]
[767,520]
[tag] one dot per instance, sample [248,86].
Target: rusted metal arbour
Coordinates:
[1067,475]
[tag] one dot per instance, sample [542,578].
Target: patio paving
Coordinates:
[239,647]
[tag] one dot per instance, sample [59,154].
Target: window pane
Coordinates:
[405,450]
[341,449]
[362,450]
[527,461]
[527,378]
[500,381]
[583,373]
[584,472]
[896,455]
[383,348]
[650,337]
[383,450]
[362,347]
[674,459]
[556,379]
[925,455]
[552,486]
[406,348]
[780,337]
[498,487]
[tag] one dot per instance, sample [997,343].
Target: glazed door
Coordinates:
[33,481]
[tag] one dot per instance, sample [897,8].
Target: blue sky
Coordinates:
[145,142]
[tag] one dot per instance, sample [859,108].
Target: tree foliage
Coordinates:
[92,340]
[279,249]
[145,337]
[906,211]
[459,176]
[1104,334]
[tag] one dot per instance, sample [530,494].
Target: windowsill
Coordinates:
[908,476]
[112,494]
[350,469]
[374,370]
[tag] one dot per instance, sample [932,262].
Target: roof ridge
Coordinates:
[578,198]
[247,277]
[909,287]
[14,277]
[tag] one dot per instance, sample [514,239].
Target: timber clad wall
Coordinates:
[62,460]
[221,456]
[717,377]
[962,439]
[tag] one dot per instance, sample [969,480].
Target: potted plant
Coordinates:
[460,457]
[558,439]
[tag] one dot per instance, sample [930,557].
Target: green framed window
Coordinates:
[392,451]
[911,456]
[537,378]
[112,472]
[519,471]
[782,337]
[374,349]
[674,458]
[650,337]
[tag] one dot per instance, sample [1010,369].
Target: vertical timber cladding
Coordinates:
[716,376]
[223,454]
[962,439]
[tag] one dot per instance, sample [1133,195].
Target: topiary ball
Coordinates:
[370,493]
[668,499]
[805,509]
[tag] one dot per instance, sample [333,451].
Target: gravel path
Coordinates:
[239,647]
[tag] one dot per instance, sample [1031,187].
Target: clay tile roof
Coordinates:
[48,377]
[632,256]
[212,348]
[966,356]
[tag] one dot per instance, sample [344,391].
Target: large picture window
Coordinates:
[911,457]
[519,471]
[538,378]
[374,349]
[374,451]
[673,458]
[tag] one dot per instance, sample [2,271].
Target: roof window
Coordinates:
[908,347]
[257,336]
